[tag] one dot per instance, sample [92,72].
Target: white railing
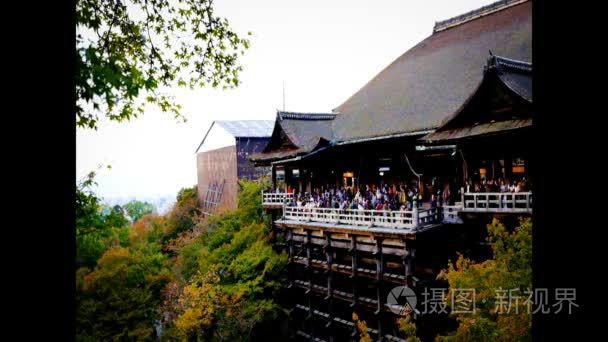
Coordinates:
[276,198]
[450,213]
[497,202]
[508,202]
[406,219]
[428,216]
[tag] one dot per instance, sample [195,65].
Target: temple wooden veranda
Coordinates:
[456,108]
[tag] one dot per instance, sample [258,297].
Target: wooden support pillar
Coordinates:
[330,314]
[379,302]
[465,168]
[411,265]
[408,260]
[330,320]
[379,277]
[329,253]
[329,258]
[309,289]
[273,227]
[311,320]
[291,323]
[330,307]
[286,240]
[380,332]
[406,266]
[330,289]
[290,244]
[274,176]
[353,253]
[379,259]
[307,245]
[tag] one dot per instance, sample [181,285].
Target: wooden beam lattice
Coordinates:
[213,197]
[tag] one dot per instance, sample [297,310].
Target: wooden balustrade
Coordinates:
[508,202]
[401,219]
[274,198]
[450,213]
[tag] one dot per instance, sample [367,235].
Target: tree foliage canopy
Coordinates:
[128,51]
[97,229]
[137,209]
[233,260]
[509,269]
[217,282]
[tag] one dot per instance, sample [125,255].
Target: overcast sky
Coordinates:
[324,51]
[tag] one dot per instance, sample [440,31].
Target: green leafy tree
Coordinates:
[219,285]
[119,300]
[137,209]
[116,218]
[509,269]
[91,228]
[183,215]
[186,195]
[129,51]
[361,328]
[408,328]
[228,276]
[87,206]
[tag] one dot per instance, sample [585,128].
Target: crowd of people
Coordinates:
[401,196]
[385,196]
[498,185]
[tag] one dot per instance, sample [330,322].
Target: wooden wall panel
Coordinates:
[217,166]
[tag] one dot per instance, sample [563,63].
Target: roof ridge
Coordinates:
[504,63]
[474,14]
[305,116]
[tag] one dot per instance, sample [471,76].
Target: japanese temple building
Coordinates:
[456,107]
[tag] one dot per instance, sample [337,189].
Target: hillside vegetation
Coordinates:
[177,276]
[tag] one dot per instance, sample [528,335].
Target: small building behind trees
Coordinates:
[222,158]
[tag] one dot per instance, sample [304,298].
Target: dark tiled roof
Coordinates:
[474,14]
[509,65]
[507,83]
[305,129]
[296,134]
[450,135]
[432,80]
[516,75]
[306,116]
[278,154]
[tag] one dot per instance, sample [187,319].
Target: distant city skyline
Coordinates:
[322,51]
